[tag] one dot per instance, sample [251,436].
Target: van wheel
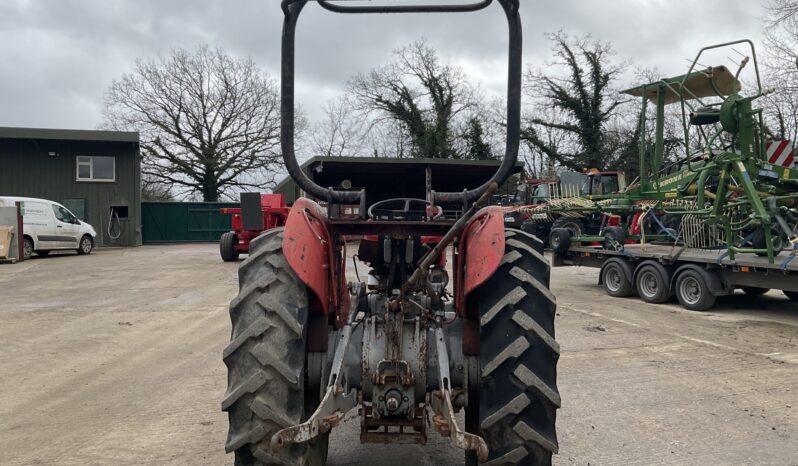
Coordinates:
[27,250]
[86,245]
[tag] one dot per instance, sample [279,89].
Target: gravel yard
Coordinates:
[115,358]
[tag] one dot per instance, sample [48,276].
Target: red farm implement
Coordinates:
[258,213]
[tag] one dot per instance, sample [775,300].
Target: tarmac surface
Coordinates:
[115,358]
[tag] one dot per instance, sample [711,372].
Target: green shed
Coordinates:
[95,174]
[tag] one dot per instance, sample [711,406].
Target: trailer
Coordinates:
[258,213]
[657,272]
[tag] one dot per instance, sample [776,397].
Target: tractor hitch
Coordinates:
[441,401]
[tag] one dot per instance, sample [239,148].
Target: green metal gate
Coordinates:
[184,222]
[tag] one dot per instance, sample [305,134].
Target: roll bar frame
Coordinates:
[293,8]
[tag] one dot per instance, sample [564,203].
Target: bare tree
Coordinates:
[575,89]
[780,67]
[422,94]
[342,132]
[209,122]
[154,190]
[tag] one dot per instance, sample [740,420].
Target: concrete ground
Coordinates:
[115,358]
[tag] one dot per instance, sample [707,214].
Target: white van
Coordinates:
[49,226]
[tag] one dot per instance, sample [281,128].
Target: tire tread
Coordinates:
[517,345]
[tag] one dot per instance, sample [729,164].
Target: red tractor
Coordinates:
[258,213]
[406,349]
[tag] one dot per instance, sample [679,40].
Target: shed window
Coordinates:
[95,168]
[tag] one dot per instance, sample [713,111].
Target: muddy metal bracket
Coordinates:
[441,401]
[336,401]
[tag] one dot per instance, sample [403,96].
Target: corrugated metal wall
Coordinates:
[27,169]
[184,222]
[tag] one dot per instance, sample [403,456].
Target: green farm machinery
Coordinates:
[723,192]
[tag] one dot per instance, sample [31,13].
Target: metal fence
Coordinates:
[184,222]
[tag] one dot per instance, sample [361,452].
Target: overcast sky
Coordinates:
[58,56]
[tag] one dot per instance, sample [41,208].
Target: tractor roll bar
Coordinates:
[292,10]
[326,4]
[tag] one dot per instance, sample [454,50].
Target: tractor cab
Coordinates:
[598,183]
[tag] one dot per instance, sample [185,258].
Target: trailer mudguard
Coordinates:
[308,249]
[480,252]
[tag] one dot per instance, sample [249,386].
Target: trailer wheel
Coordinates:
[559,240]
[267,359]
[227,245]
[693,292]
[615,279]
[758,240]
[517,385]
[652,283]
[793,295]
[614,238]
[576,226]
[754,291]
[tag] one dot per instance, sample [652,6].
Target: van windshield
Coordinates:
[63,215]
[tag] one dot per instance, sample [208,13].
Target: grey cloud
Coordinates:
[59,56]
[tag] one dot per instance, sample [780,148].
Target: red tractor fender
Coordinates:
[307,246]
[480,252]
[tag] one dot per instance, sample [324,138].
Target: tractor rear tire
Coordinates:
[518,397]
[227,245]
[267,358]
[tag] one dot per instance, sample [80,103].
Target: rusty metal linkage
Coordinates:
[433,255]
[444,420]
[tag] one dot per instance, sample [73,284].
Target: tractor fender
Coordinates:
[480,252]
[713,280]
[308,249]
[627,268]
[666,272]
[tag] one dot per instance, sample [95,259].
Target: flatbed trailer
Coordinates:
[696,277]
